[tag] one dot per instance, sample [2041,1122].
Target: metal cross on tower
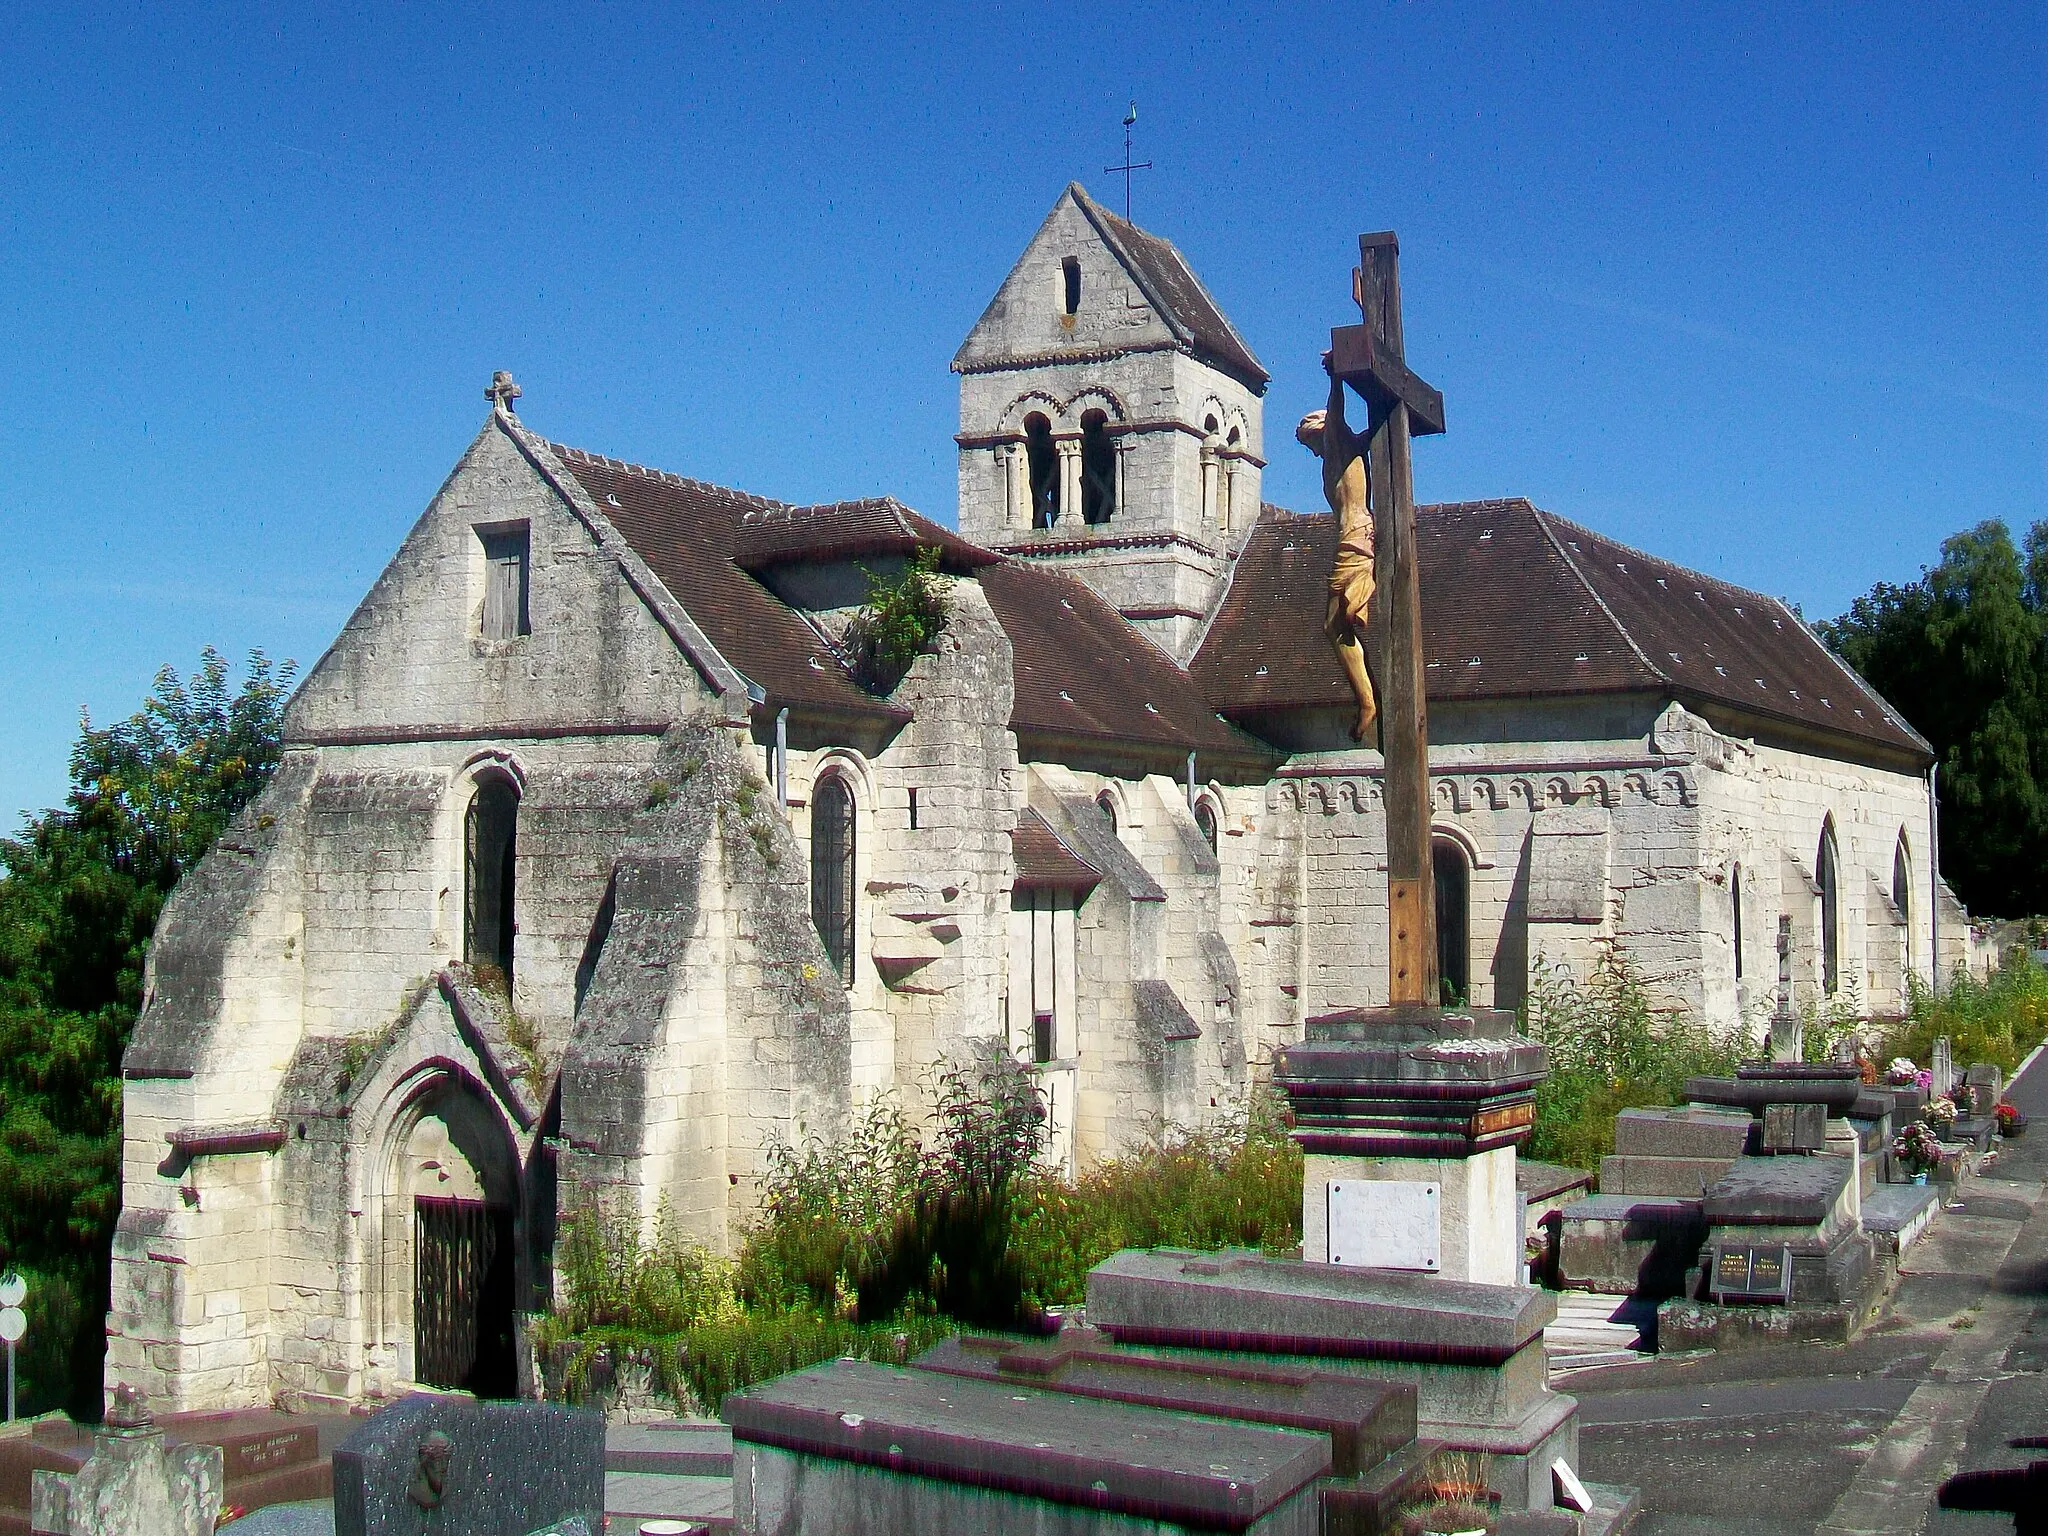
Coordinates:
[1368,358]
[1129,165]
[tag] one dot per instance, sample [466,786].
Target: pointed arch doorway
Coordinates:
[461,1180]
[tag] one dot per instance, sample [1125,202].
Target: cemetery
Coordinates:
[1160,1164]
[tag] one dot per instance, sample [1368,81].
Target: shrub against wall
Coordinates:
[1999,1019]
[1610,1049]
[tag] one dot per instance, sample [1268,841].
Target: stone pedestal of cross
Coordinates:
[1408,1114]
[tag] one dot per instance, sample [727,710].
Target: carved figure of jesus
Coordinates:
[1325,434]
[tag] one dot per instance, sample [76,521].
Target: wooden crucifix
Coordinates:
[1368,357]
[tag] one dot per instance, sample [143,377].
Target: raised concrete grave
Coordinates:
[1473,1353]
[1690,1131]
[856,1449]
[1630,1245]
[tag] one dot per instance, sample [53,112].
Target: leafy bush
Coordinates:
[1237,1185]
[613,1280]
[1610,1050]
[899,619]
[1997,1020]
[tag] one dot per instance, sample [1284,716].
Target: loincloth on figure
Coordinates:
[1351,578]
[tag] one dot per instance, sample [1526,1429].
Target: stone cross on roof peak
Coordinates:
[502,391]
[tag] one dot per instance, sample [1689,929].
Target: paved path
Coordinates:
[1849,1439]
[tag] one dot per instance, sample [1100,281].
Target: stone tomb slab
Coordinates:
[1243,1300]
[1781,1192]
[856,1449]
[511,1467]
[1366,1421]
[1684,1178]
[1474,1353]
[1630,1245]
[1692,1131]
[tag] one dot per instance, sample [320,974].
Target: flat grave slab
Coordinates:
[1053,1446]
[1681,1177]
[1365,1421]
[1690,1131]
[1250,1303]
[1779,1191]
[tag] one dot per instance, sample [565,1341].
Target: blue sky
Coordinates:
[1757,288]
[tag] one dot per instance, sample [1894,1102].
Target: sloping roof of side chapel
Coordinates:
[1518,603]
[1082,675]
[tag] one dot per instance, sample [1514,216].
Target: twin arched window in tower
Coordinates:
[1066,474]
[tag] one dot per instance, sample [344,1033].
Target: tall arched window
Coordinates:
[1205,818]
[832,871]
[1735,904]
[1098,468]
[1044,461]
[1902,882]
[490,836]
[1453,919]
[1829,877]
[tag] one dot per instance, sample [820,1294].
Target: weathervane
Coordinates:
[1129,165]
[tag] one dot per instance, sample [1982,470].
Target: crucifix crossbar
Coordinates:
[1368,357]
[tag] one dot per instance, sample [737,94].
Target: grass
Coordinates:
[1999,1019]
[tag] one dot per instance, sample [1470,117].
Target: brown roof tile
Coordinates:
[687,532]
[1517,603]
[1082,672]
[847,530]
[1044,860]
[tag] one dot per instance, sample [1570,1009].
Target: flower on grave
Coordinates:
[2008,1117]
[1924,1079]
[1917,1148]
[1941,1111]
[1902,1073]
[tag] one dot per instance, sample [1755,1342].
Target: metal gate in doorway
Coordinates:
[462,1265]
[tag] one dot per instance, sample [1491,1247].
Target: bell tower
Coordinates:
[1111,421]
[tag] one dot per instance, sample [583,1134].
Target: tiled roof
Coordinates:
[1166,279]
[687,532]
[1043,860]
[1519,604]
[847,530]
[1082,672]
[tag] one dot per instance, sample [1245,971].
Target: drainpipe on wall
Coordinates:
[1934,879]
[782,757]
[1191,781]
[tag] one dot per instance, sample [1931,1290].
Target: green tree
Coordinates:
[1963,654]
[80,892]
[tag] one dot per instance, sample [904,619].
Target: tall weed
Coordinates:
[1610,1049]
[1997,1020]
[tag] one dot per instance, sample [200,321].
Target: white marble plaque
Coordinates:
[1386,1224]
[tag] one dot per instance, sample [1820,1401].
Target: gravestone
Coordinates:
[851,1448]
[1944,1071]
[132,1484]
[478,1469]
[1983,1084]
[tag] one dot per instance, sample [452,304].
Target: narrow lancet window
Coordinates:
[1453,920]
[832,872]
[505,584]
[1829,879]
[1070,287]
[490,836]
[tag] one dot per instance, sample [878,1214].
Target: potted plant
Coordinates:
[2012,1121]
[1941,1113]
[1901,1073]
[1917,1149]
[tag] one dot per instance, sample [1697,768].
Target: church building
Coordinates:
[592,865]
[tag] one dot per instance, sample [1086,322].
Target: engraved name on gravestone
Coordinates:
[1386,1224]
[1795,1127]
[1745,1272]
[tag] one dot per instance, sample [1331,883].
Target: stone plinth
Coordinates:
[1420,1097]
[1473,1353]
[856,1449]
[1764,1083]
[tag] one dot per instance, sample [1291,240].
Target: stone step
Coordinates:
[678,1448]
[1686,1178]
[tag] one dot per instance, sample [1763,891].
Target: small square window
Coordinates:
[505,583]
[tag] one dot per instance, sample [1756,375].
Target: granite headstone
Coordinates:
[473,1469]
